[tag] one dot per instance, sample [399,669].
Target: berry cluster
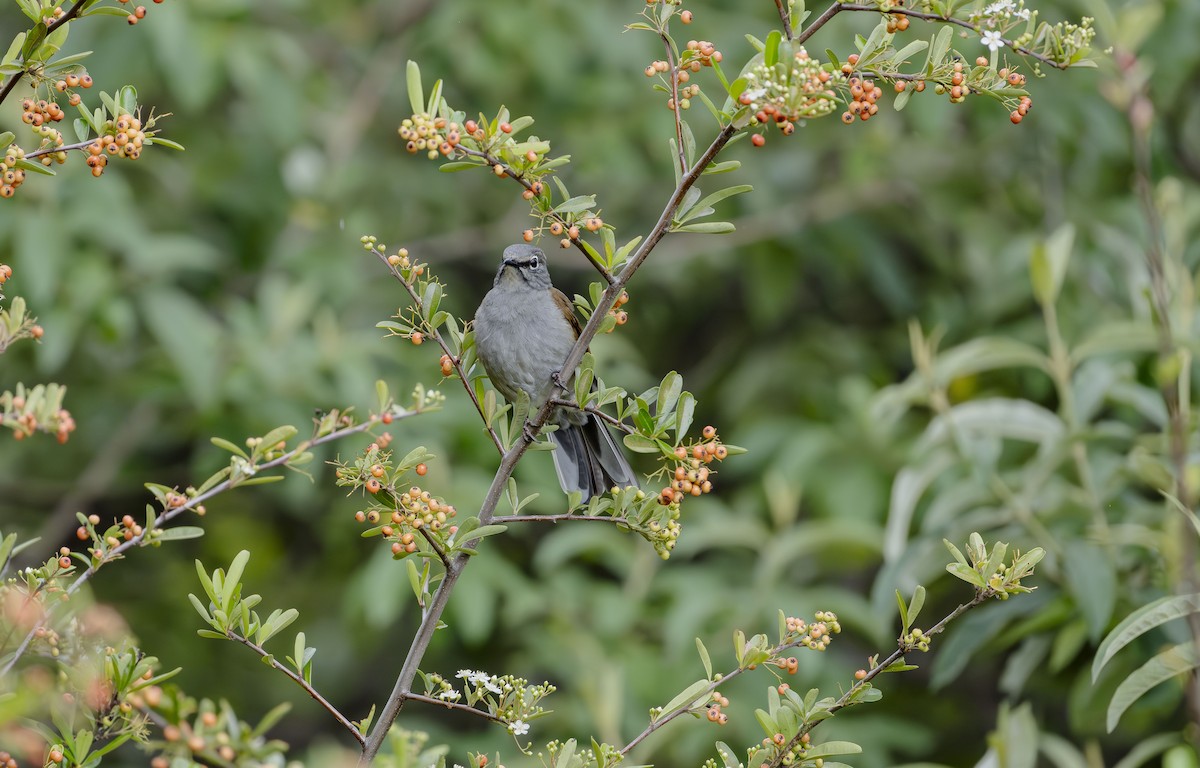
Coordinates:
[7,760]
[714,713]
[863,95]
[25,421]
[788,92]
[11,176]
[40,115]
[425,134]
[123,137]
[138,13]
[618,314]
[691,476]
[814,636]
[69,82]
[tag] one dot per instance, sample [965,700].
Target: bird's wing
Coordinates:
[568,310]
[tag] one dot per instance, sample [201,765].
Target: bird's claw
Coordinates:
[556,377]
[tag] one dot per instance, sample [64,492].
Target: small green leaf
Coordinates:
[708,227]
[704,658]
[416,95]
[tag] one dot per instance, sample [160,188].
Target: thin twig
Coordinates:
[785,15]
[171,514]
[1140,114]
[505,519]
[300,681]
[595,412]
[493,161]
[441,553]
[508,463]
[15,77]
[674,75]
[441,342]
[453,705]
[902,649]
[837,8]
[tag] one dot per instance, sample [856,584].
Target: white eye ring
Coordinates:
[534,262]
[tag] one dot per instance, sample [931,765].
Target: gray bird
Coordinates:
[524,329]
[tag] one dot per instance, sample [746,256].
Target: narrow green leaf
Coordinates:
[704,659]
[416,95]
[686,697]
[1171,662]
[1140,622]
[708,227]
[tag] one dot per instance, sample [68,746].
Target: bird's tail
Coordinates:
[588,459]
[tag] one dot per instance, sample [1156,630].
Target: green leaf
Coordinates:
[1140,622]
[641,444]
[416,95]
[704,658]
[483,531]
[908,51]
[904,622]
[686,697]
[233,577]
[180,532]
[565,755]
[771,50]
[1117,336]
[938,48]
[832,748]
[1092,581]
[708,227]
[1048,264]
[577,204]
[1171,662]
[721,194]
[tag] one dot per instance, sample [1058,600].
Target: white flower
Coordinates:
[1023,14]
[518,727]
[998,7]
[449,695]
[465,674]
[489,683]
[992,39]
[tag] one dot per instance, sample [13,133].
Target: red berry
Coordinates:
[758,140]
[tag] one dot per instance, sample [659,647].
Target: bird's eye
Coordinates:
[535,262]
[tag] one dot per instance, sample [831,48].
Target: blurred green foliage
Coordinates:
[222,291]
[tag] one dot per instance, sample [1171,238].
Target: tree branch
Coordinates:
[453,705]
[512,456]
[836,8]
[504,519]
[785,15]
[300,681]
[674,75]
[171,514]
[441,342]
[15,77]
[493,161]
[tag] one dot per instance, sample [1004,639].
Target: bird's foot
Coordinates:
[556,377]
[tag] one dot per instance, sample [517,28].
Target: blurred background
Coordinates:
[222,291]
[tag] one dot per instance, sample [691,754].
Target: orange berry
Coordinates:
[421,469]
[527,235]
[506,127]
[860,674]
[373,485]
[37,331]
[131,18]
[686,17]
[417,338]
[758,140]
[573,233]
[556,228]
[386,418]
[708,432]
[140,11]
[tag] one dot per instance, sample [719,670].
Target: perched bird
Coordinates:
[524,328]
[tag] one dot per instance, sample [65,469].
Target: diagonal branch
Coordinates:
[785,15]
[171,514]
[836,8]
[300,681]
[441,342]
[673,63]
[508,463]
